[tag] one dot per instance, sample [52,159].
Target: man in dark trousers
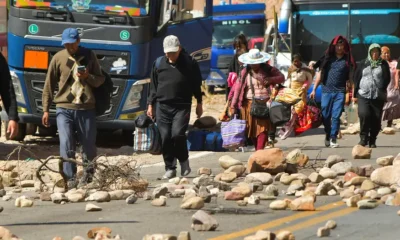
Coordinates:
[175,78]
[336,69]
[76,72]
[8,97]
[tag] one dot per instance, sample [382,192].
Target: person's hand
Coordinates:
[396,87]
[45,119]
[83,75]
[12,129]
[150,112]
[311,64]
[312,95]
[355,100]
[199,110]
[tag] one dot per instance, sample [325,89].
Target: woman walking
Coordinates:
[390,109]
[253,92]
[371,80]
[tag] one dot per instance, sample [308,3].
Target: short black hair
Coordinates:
[297,56]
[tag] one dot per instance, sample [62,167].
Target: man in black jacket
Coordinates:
[175,78]
[8,97]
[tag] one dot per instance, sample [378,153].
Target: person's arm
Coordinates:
[95,77]
[276,77]
[198,80]
[387,75]
[396,79]
[317,80]
[50,85]
[7,92]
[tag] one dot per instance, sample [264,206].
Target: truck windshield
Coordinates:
[133,7]
[226,31]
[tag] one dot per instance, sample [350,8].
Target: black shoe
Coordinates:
[363,141]
[327,141]
[372,143]
[72,183]
[86,179]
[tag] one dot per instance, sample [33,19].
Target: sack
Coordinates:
[205,122]
[279,113]
[233,133]
[287,95]
[147,140]
[196,140]
[143,121]
[316,111]
[213,142]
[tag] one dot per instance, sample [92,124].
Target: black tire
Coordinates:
[21,132]
[127,136]
[31,129]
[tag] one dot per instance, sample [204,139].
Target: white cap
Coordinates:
[171,44]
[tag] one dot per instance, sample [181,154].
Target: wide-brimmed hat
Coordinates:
[254,56]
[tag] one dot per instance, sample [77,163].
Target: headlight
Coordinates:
[215,75]
[17,87]
[134,96]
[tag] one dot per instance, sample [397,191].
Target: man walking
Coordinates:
[8,98]
[175,78]
[75,71]
[336,68]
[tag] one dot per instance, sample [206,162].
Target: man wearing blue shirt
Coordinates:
[336,68]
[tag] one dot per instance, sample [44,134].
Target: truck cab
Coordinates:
[126,35]
[228,22]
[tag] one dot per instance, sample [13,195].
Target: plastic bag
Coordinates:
[311,117]
[352,113]
[233,133]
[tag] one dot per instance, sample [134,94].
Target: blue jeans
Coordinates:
[332,105]
[77,125]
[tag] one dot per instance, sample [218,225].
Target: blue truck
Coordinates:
[126,35]
[229,21]
[314,23]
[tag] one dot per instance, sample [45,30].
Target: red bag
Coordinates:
[310,117]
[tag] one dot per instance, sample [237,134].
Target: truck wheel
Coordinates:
[31,128]
[21,132]
[50,131]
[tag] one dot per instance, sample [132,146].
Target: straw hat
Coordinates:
[254,56]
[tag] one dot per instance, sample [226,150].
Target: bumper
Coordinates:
[216,78]
[111,124]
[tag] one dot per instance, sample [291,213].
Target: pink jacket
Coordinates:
[274,77]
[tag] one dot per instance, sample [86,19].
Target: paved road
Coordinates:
[46,220]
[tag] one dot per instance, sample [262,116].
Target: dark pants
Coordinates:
[77,125]
[370,114]
[272,133]
[332,105]
[172,121]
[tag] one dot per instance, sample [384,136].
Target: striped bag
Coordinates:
[147,140]
[233,133]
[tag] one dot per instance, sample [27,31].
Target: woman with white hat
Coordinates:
[253,92]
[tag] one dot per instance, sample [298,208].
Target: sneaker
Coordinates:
[86,179]
[185,168]
[333,143]
[72,183]
[169,174]
[327,141]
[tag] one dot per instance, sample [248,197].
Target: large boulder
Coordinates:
[270,160]
[386,176]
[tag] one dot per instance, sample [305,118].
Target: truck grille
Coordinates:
[224,61]
[35,84]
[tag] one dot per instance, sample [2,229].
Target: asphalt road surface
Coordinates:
[46,220]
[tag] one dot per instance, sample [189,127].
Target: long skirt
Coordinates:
[254,126]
